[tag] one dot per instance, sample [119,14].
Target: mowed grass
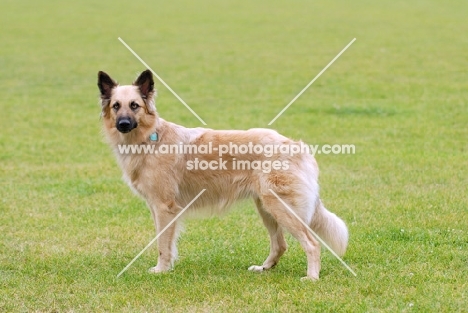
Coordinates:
[68,223]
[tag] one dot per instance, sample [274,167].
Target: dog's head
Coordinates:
[127,107]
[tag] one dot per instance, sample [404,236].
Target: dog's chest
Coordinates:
[134,169]
[148,174]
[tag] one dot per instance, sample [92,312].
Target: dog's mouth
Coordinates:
[125,125]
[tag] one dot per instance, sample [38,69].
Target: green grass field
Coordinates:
[69,224]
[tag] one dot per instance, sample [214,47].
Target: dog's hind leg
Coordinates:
[167,248]
[277,243]
[311,247]
[292,224]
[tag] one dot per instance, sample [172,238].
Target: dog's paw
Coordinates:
[256,268]
[311,279]
[156,270]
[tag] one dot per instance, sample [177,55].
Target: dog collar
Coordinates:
[153,136]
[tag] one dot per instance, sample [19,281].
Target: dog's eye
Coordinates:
[134,105]
[116,106]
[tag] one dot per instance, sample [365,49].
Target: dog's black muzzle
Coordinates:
[125,124]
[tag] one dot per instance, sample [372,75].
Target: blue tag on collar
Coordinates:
[153,137]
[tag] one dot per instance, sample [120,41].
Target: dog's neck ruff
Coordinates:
[154,137]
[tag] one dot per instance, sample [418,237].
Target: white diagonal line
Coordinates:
[162,81]
[312,81]
[159,234]
[313,233]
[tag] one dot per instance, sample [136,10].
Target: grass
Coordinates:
[69,224]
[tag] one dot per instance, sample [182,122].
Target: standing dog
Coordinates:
[169,181]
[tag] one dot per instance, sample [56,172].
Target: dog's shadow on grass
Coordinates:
[212,266]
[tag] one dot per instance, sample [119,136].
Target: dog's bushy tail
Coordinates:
[330,228]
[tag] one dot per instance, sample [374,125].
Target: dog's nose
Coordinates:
[124,125]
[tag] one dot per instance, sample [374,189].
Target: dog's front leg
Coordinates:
[164,215]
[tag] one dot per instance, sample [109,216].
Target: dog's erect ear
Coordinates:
[145,83]
[105,84]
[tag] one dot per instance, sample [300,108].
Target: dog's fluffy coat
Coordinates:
[163,180]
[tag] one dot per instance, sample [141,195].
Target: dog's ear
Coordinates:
[145,84]
[105,84]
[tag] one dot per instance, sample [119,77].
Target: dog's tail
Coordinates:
[330,229]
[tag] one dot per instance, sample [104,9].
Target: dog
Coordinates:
[169,181]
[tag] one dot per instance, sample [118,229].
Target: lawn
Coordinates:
[69,224]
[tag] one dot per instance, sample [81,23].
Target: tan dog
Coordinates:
[169,181]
